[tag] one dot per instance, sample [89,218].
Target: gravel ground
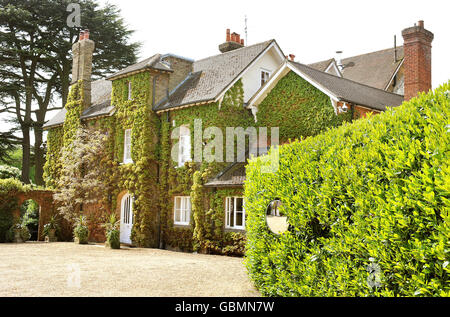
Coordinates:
[68,269]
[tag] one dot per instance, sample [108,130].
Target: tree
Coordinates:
[8,142]
[35,54]
[83,174]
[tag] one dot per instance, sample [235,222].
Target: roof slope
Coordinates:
[323,65]
[153,62]
[374,69]
[232,176]
[101,104]
[350,91]
[212,75]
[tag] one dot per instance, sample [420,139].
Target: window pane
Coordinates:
[239,204]
[184,154]
[227,211]
[127,145]
[188,210]
[239,217]
[177,209]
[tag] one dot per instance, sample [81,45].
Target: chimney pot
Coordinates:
[81,37]
[86,34]
[421,24]
[233,41]
[292,57]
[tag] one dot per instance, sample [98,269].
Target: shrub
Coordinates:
[81,230]
[30,218]
[9,172]
[8,203]
[112,229]
[368,205]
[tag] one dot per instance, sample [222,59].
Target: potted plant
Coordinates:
[81,231]
[50,230]
[19,233]
[112,231]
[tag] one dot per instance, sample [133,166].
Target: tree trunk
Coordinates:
[38,155]
[25,178]
[65,81]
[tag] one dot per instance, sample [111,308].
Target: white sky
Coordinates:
[312,30]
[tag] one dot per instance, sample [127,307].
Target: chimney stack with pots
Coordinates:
[417,59]
[83,51]
[233,41]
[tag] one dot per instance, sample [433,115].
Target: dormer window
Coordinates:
[265,74]
[129,90]
[127,147]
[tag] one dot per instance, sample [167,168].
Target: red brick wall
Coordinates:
[360,112]
[417,60]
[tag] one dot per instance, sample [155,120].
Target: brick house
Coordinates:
[245,86]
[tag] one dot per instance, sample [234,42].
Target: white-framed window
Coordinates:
[184,150]
[182,210]
[234,213]
[127,147]
[265,74]
[129,90]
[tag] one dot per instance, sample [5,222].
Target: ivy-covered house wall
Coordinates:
[139,178]
[154,179]
[205,233]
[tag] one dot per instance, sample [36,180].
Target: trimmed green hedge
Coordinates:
[368,201]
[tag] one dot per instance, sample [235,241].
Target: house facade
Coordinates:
[172,182]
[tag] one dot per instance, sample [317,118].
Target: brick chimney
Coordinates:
[417,61]
[83,51]
[232,41]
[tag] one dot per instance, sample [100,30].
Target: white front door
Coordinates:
[126,219]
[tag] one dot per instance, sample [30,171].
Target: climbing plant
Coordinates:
[299,109]
[140,177]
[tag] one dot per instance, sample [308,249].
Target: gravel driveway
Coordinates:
[68,269]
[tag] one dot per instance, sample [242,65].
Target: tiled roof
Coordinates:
[211,76]
[323,65]
[154,62]
[232,176]
[374,69]
[351,91]
[101,104]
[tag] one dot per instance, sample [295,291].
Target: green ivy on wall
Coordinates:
[298,108]
[140,177]
[53,165]
[189,179]
[74,107]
